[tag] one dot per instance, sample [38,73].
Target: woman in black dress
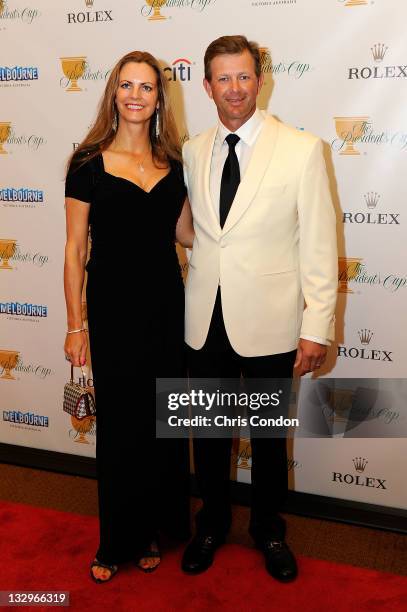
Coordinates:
[125,182]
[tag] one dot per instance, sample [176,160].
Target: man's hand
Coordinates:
[310,356]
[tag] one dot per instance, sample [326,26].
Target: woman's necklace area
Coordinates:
[141,163]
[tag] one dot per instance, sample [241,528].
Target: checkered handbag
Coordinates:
[78,400]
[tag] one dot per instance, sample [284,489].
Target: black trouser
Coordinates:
[217,359]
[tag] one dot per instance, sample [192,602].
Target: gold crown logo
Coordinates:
[378,52]
[89,2]
[365,335]
[360,463]
[372,199]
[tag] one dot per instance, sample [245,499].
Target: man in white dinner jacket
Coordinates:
[262,283]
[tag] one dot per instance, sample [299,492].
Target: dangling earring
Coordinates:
[114,122]
[157,124]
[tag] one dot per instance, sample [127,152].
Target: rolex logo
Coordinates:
[378,52]
[360,463]
[365,336]
[372,199]
[89,3]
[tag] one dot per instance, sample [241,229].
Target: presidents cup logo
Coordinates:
[8,247]
[371,200]
[75,68]
[12,364]
[292,68]
[359,466]
[5,129]
[8,361]
[10,139]
[377,70]
[365,350]
[10,250]
[90,16]
[349,131]
[26,15]
[348,270]
[354,2]
[156,10]
[180,70]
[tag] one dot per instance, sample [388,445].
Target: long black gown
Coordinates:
[135,302]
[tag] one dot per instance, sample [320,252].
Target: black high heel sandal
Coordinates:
[112,569]
[152,553]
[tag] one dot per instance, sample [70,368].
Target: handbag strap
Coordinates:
[83,374]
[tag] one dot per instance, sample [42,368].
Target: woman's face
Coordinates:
[137,93]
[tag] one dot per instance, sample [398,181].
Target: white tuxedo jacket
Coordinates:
[276,256]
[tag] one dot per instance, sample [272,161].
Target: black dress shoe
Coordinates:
[199,554]
[280,561]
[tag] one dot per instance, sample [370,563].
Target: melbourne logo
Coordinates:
[75,68]
[90,16]
[157,10]
[180,70]
[359,478]
[370,216]
[25,418]
[291,68]
[18,76]
[21,197]
[23,311]
[377,70]
[365,350]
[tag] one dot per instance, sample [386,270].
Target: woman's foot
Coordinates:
[101,572]
[150,559]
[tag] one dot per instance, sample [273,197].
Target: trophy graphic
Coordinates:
[83,427]
[243,454]
[156,6]
[355,2]
[73,68]
[5,127]
[265,59]
[8,361]
[350,129]
[2,5]
[349,268]
[7,250]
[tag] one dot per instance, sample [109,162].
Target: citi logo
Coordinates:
[372,199]
[378,51]
[358,480]
[18,73]
[180,70]
[363,352]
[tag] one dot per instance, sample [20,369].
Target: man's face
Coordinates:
[234,88]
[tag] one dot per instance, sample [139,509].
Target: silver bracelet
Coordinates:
[75,331]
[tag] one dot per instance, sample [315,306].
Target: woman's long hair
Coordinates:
[164,148]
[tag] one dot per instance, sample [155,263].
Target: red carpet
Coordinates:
[48,550]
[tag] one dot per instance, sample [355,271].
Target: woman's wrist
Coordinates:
[76,331]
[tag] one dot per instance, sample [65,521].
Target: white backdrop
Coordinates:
[334,67]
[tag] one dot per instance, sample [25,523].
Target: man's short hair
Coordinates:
[230,45]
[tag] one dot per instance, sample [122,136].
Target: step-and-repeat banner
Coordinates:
[337,68]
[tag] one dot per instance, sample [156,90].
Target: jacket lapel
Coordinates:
[260,159]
